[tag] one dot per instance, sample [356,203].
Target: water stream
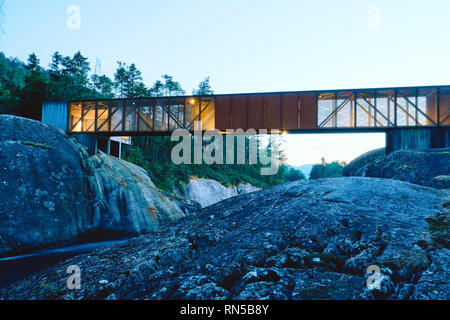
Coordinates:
[15,268]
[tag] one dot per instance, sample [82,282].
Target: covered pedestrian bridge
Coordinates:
[411,117]
[339,110]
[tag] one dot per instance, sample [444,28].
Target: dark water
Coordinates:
[15,268]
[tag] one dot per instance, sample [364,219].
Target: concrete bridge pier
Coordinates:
[417,138]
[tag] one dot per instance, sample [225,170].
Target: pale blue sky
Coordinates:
[246,45]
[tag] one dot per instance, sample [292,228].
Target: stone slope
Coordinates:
[207,192]
[52,192]
[302,240]
[429,168]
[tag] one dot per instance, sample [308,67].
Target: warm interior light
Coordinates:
[77,127]
[192,101]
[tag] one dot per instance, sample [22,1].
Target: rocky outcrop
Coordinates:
[52,192]
[125,199]
[208,192]
[358,166]
[424,167]
[43,186]
[302,240]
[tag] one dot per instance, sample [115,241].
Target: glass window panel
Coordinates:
[428,105]
[177,113]
[161,115]
[326,105]
[102,116]
[146,110]
[75,117]
[385,107]
[88,115]
[192,112]
[131,115]
[344,103]
[444,107]
[116,116]
[208,111]
[406,112]
[368,114]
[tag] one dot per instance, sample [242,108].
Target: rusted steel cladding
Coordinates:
[444,107]
[273,111]
[255,112]
[223,112]
[239,112]
[308,111]
[290,111]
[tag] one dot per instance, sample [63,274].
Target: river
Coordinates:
[15,268]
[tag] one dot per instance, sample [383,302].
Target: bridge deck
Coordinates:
[361,110]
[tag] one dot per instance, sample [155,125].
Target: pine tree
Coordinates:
[204,88]
[34,91]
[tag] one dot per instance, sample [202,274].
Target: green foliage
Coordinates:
[167,87]
[69,78]
[204,88]
[293,174]
[33,92]
[103,85]
[154,153]
[24,87]
[37,145]
[327,170]
[12,79]
[128,81]
[439,226]
[414,260]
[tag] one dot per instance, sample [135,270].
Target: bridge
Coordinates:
[412,117]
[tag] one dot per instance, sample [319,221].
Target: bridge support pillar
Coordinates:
[89,140]
[417,138]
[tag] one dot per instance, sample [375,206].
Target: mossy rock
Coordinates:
[37,145]
[327,260]
[439,226]
[316,293]
[414,260]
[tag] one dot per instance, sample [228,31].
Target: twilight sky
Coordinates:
[250,46]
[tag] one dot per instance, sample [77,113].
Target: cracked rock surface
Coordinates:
[302,240]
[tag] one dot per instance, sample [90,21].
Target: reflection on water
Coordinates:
[15,268]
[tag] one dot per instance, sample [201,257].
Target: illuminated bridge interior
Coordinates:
[340,110]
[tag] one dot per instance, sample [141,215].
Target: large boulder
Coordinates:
[52,192]
[429,168]
[358,167]
[43,186]
[207,192]
[125,200]
[302,240]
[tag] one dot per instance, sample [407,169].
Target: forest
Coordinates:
[24,86]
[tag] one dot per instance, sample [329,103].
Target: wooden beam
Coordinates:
[370,115]
[333,114]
